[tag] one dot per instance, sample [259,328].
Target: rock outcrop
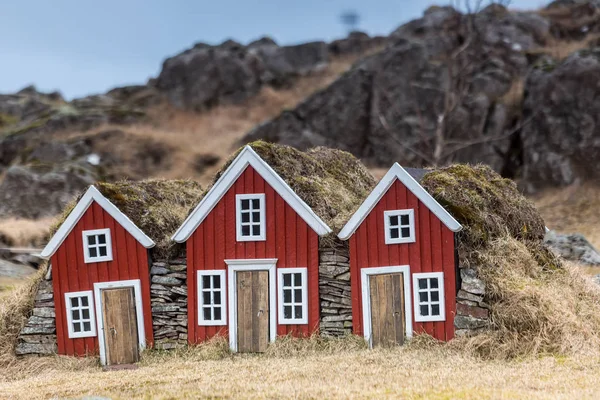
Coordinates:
[573,247]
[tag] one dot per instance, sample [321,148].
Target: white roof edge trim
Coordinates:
[248,157]
[397,172]
[92,194]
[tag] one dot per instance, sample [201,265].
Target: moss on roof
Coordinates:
[332,182]
[158,207]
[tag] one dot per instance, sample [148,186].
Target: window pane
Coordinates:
[394,233]
[87,326]
[206,282]
[424,310]
[245,204]
[435,309]
[287,279]
[102,250]
[217,312]
[245,217]
[423,297]
[84,301]
[93,252]
[255,216]
[76,327]
[245,230]
[297,279]
[91,239]
[298,312]
[102,239]
[298,295]
[422,283]
[287,312]
[217,297]
[75,315]
[287,296]
[216,281]
[75,301]
[206,313]
[404,220]
[433,283]
[255,230]
[85,313]
[405,232]
[435,295]
[256,204]
[206,298]
[393,220]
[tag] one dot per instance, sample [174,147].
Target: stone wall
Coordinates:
[472,313]
[38,336]
[334,289]
[168,296]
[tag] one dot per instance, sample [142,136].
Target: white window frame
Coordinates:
[399,213]
[90,298]
[86,252]
[238,206]
[304,303]
[223,305]
[442,297]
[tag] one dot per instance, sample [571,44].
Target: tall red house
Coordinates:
[101,282]
[402,262]
[252,259]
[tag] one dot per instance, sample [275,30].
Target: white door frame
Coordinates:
[258,264]
[365,273]
[137,292]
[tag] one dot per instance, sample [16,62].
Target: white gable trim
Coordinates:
[91,195]
[397,172]
[248,157]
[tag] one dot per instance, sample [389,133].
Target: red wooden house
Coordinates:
[402,262]
[100,277]
[253,258]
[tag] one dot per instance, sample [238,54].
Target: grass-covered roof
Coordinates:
[332,182]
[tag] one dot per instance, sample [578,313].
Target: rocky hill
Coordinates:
[515,90]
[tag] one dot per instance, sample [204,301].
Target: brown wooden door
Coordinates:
[252,311]
[120,326]
[387,310]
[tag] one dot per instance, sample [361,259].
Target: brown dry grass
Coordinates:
[559,49]
[20,232]
[412,372]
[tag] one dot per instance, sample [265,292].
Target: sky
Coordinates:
[82,47]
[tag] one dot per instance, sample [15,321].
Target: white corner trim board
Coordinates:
[248,157]
[139,311]
[91,195]
[397,172]
[259,264]
[365,273]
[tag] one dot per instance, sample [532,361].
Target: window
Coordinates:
[211,298]
[399,226]
[97,246]
[292,296]
[80,314]
[250,217]
[428,290]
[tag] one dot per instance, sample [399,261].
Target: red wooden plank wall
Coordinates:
[71,274]
[433,251]
[289,239]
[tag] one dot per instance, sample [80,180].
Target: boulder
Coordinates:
[356,43]
[573,247]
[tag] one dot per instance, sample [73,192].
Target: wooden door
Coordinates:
[252,311]
[387,310]
[120,326]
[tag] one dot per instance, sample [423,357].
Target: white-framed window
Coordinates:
[250,225]
[292,296]
[97,246]
[428,291]
[399,226]
[81,321]
[211,298]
